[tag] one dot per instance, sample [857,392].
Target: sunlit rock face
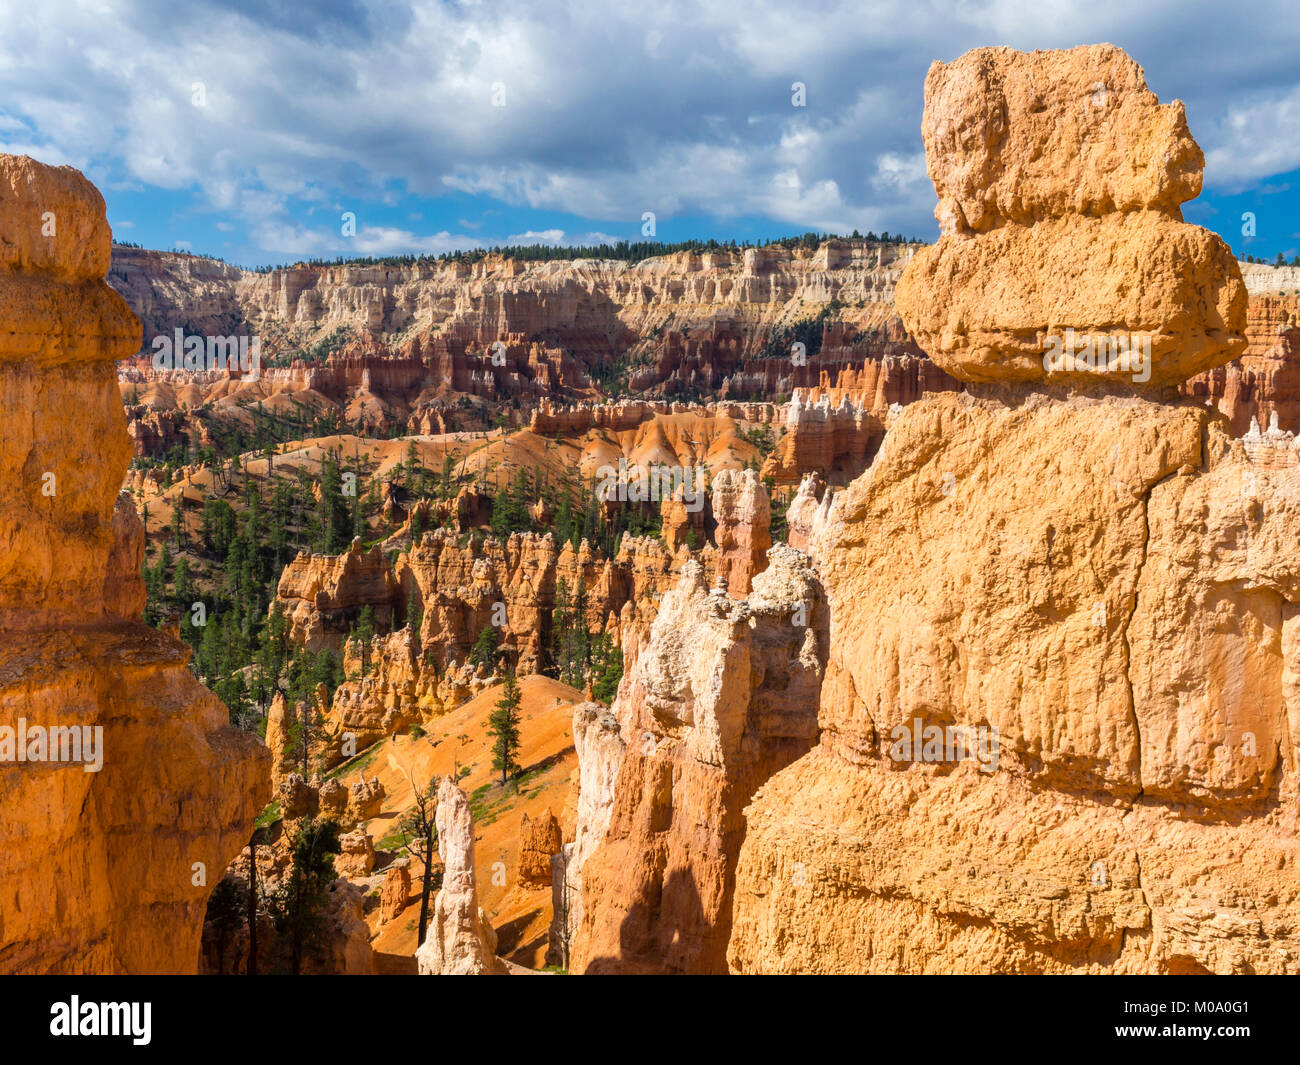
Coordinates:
[460,940]
[1060,178]
[108,870]
[1058,717]
[723,694]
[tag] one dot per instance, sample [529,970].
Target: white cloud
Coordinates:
[559,238]
[290,238]
[679,108]
[1255,139]
[533,236]
[899,172]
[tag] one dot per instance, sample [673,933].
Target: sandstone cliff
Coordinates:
[1265,382]
[586,303]
[106,871]
[1058,717]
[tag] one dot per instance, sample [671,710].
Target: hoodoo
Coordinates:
[106,871]
[1065,557]
[723,694]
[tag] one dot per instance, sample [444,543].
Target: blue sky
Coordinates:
[246,130]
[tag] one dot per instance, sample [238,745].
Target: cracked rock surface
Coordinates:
[1101,580]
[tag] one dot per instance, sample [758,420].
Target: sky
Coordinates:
[264,135]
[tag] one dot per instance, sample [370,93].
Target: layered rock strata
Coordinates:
[120,818]
[1059,714]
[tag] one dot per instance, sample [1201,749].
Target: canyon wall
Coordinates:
[591,305]
[105,871]
[397,348]
[1265,382]
[1057,732]
[465,584]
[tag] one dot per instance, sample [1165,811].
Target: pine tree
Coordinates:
[225,914]
[607,669]
[414,469]
[414,614]
[271,654]
[419,827]
[333,522]
[363,632]
[184,588]
[484,651]
[503,727]
[298,906]
[561,631]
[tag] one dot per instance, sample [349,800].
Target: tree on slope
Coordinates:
[421,832]
[503,727]
[298,907]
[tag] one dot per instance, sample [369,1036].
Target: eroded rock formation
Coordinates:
[1060,178]
[806,514]
[395,892]
[723,695]
[744,518]
[461,586]
[460,940]
[322,596]
[1058,725]
[99,866]
[599,744]
[539,841]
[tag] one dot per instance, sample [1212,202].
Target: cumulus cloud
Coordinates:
[1257,138]
[321,243]
[267,112]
